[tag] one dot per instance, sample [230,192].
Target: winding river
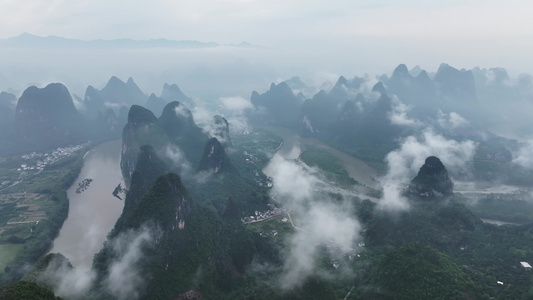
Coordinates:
[294,145]
[94,211]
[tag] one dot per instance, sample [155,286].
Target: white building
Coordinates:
[526,265]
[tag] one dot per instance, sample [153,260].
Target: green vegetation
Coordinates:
[214,158]
[329,164]
[250,154]
[485,253]
[493,161]
[148,168]
[9,251]
[202,247]
[239,176]
[216,192]
[177,123]
[436,250]
[24,290]
[415,271]
[432,180]
[513,208]
[282,230]
[47,118]
[33,211]
[51,263]
[193,238]
[259,145]
[142,129]
[370,152]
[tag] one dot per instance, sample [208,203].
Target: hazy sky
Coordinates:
[359,34]
[266,21]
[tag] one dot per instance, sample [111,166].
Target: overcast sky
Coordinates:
[380,33]
[266,21]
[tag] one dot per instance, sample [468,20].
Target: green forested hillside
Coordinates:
[24,290]
[415,271]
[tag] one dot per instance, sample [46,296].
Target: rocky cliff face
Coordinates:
[175,128]
[169,204]
[148,168]
[214,157]
[432,180]
[181,237]
[142,129]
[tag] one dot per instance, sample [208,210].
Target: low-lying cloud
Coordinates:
[524,156]
[321,224]
[68,282]
[237,104]
[125,279]
[202,115]
[231,108]
[292,182]
[398,115]
[452,120]
[404,163]
[319,221]
[178,158]
[182,111]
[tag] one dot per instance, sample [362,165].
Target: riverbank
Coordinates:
[34,210]
[293,145]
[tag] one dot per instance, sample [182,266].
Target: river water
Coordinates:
[294,145]
[93,212]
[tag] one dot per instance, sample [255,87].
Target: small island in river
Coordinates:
[83,185]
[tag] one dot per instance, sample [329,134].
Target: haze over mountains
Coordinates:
[355,115]
[265,196]
[266,150]
[26,40]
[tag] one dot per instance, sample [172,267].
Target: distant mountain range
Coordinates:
[29,40]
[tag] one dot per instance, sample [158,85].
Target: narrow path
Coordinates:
[290,219]
[17,182]
[349,293]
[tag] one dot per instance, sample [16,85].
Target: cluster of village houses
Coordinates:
[261,216]
[45,159]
